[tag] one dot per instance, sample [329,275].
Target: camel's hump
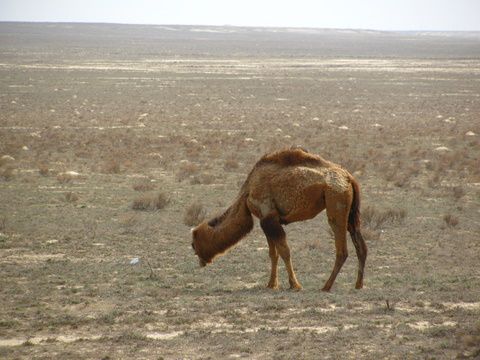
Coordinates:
[292,157]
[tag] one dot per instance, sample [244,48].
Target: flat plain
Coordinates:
[115,140]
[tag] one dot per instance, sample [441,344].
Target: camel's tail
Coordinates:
[354,216]
[356,235]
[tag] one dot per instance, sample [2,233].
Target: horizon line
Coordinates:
[229,25]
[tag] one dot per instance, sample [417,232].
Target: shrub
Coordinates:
[43,169]
[111,166]
[186,170]
[374,219]
[458,192]
[143,185]
[231,164]
[71,197]
[205,179]
[128,222]
[451,220]
[7,173]
[3,223]
[150,202]
[370,235]
[194,214]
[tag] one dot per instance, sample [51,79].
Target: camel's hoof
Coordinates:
[296,287]
[358,286]
[326,289]
[273,286]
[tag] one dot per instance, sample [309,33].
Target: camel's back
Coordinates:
[285,178]
[293,157]
[296,192]
[298,177]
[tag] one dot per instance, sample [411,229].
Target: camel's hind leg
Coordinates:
[276,236]
[361,249]
[337,213]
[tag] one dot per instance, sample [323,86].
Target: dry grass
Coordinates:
[128,222]
[434,180]
[205,179]
[111,166]
[217,142]
[90,229]
[370,235]
[3,223]
[71,197]
[7,167]
[144,185]
[66,177]
[187,169]
[451,220]
[43,169]
[7,172]
[150,202]
[194,214]
[469,339]
[231,164]
[458,192]
[375,219]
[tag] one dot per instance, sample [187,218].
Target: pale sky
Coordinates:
[451,15]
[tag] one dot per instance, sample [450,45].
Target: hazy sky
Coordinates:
[360,14]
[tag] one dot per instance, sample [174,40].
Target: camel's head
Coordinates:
[201,243]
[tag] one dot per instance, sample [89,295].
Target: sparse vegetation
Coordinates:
[375,219]
[43,169]
[205,179]
[231,164]
[187,169]
[90,229]
[144,185]
[194,214]
[129,222]
[3,223]
[136,104]
[7,172]
[458,192]
[71,197]
[111,166]
[451,220]
[150,201]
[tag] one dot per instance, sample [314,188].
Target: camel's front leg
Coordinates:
[275,235]
[272,250]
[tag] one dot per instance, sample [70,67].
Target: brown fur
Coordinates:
[216,236]
[292,157]
[283,187]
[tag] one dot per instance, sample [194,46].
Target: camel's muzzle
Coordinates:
[202,262]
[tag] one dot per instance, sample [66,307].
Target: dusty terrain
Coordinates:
[155,121]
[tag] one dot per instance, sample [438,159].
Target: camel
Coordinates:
[284,187]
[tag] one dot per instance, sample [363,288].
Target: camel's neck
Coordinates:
[231,227]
